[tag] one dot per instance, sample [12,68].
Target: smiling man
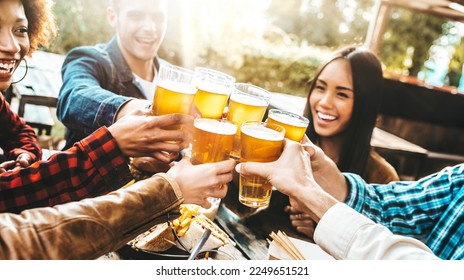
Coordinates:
[103,82]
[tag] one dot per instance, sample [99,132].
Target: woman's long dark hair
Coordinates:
[368,88]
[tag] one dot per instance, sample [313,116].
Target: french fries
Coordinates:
[182,224]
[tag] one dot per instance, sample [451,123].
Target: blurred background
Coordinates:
[278,44]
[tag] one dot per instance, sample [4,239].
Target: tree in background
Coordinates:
[404,51]
[323,23]
[81,22]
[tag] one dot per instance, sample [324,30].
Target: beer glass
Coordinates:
[174,91]
[212,140]
[260,142]
[247,103]
[214,88]
[295,125]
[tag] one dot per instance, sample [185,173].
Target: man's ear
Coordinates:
[111,15]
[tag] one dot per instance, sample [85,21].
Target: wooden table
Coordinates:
[389,144]
[250,228]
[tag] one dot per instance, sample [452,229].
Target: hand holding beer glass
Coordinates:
[212,142]
[260,142]
[214,88]
[295,125]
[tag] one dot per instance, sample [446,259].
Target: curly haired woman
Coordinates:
[18,139]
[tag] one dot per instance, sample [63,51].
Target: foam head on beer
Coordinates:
[214,88]
[247,103]
[295,125]
[174,91]
[260,142]
[212,140]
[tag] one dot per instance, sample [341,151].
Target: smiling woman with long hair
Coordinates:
[342,106]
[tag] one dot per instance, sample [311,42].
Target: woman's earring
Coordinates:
[25,73]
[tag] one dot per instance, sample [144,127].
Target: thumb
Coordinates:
[310,148]
[253,168]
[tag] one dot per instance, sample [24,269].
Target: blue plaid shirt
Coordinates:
[431,209]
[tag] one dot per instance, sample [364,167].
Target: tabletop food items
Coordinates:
[188,227]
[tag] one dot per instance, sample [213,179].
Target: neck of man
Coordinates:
[145,69]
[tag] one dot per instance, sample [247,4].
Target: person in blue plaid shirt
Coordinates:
[430,209]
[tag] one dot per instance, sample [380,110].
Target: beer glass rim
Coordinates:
[176,68]
[293,115]
[216,72]
[258,92]
[265,124]
[196,120]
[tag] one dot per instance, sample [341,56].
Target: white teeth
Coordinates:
[325,117]
[145,40]
[7,66]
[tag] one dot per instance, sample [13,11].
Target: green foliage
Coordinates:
[402,35]
[80,22]
[456,66]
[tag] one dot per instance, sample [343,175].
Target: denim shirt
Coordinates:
[97,81]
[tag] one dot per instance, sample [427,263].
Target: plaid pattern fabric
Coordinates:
[431,209]
[16,137]
[92,167]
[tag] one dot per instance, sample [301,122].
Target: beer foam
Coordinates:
[262,132]
[178,87]
[216,126]
[288,119]
[248,100]
[214,88]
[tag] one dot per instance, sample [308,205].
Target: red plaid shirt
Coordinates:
[16,137]
[92,167]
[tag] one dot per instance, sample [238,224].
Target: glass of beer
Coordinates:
[214,88]
[212,140]
[247,103]
[260,142]
[295,125]
[174,91]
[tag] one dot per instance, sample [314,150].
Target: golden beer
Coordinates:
[214,88]
[244,108]
[172,97]
[212,140]
[295,125]
[260,142]
[174,91]
[247,103]
[210,104]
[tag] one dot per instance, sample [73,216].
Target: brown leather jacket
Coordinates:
[89,228]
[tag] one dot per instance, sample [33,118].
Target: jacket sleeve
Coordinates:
[94,166]
[17,137]
[346,234]
[83,104]
[89,228]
